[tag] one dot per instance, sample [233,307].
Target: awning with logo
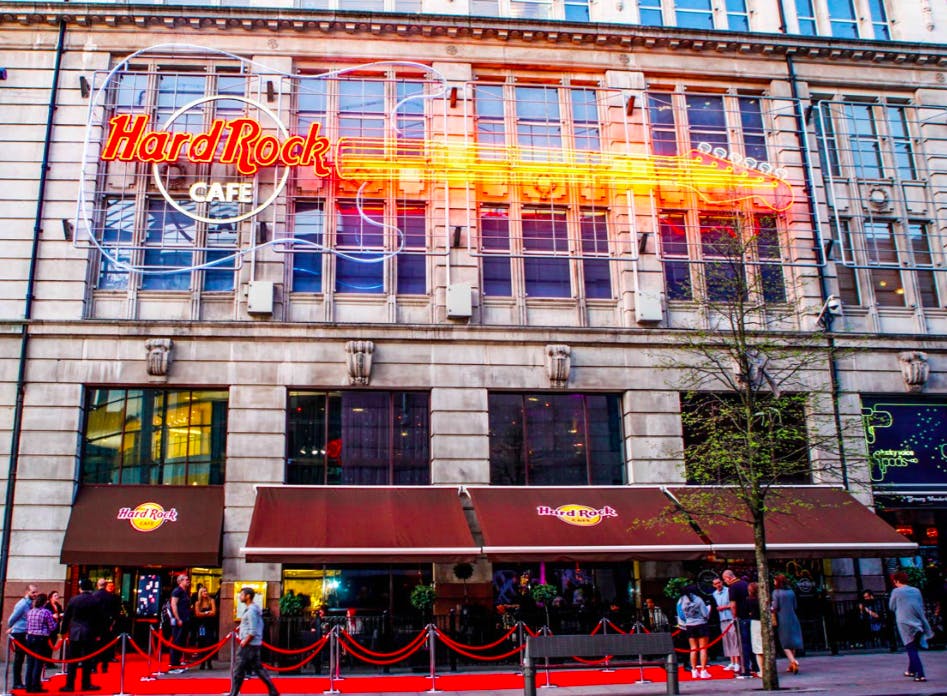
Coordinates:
[145,525]
[582,523]
[803,522]
[348,524]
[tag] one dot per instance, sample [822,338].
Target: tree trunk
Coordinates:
[769,674]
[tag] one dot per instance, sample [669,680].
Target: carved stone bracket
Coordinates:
[558,364]
[358,358]
[914,369]
[158,356]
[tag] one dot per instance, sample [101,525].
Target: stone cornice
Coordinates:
[391,25]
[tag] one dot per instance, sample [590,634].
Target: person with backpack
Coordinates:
[692,613]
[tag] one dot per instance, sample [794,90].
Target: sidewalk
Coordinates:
[875,674]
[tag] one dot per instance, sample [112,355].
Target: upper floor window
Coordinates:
[843,18]
[556,440]
[569,10]
[358,438]
[154,436]
[721,259]
[695,14]
[186,246]
[535,240]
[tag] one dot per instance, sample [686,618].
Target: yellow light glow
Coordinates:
[714,180]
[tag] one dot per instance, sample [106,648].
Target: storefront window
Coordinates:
[555,439]
[358,438]
[154,436]
[369,590]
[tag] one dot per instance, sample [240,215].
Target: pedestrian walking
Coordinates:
[251,638]
[787,622]
[908,606]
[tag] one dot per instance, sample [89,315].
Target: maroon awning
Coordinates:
[341,524]
[804,521]
[582,523]
[145,525]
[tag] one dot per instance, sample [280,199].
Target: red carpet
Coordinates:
[193,682]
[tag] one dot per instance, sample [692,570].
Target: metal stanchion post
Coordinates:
[521,636]
[233,653]
[639,628]
[62,654]
[546,631]
[333,659]
[149,674]
[6,670]
[604,623]
[158,664]
[121,671]
[431,648]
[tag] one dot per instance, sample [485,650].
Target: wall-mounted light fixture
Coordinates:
[67,230]
[262,233]
[630,105]
[828,249]
[85,89]
[453,97]
[270,91]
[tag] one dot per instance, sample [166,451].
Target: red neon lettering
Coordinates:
[244,132]
[204,145]
[151,147]
[121,135]
[314,151]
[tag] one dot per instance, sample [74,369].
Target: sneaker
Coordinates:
[732,668]
[744,676]
[695,674]
[704,674]
[177,670]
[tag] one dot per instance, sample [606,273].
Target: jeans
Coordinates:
[248,662]
[914,659]
[34,666]
[179,635]
[746,646]
[18,657]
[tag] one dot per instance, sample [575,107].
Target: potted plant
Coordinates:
[422,599]
[463,571]
[290,611]
[544,594]
[674,587]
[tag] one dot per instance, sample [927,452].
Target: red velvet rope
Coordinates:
[316,649]
[74,660]
[615,628]
[299,651]
[713,642]
[456,647]
[409,648]
[353,648]
[183,649]
[481,647]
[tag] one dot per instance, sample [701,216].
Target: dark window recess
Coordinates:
[555,439]
[358,438]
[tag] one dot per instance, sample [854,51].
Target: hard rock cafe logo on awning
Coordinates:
[578,515]
[147,517]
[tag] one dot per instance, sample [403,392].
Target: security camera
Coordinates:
[832,307]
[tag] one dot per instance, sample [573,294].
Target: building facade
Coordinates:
[446,244]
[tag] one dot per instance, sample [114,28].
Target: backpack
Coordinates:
[166,615]
[693,611]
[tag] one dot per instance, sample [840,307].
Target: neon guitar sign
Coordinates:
[247,146]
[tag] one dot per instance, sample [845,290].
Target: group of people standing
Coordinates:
[90,620]
[193,621]
[737,604]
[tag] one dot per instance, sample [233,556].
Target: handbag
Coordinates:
[775,620]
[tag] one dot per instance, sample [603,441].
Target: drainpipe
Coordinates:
[820,265]
[17,425]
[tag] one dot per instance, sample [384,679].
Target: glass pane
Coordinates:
[556,440]
[361,266]
[366,438]
[606,453]
[410,454]
[546,232]
[308,230]
[507,455]
[306,438]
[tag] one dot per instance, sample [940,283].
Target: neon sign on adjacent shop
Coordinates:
[249,147]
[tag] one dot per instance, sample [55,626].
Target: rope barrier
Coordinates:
[316,649]
[294,651]
[485,658]
[353,648]
[711,643]
[191,651]
[73,660]
[488,646]
[408,648]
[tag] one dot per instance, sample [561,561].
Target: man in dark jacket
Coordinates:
[110,608]
[81,622]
